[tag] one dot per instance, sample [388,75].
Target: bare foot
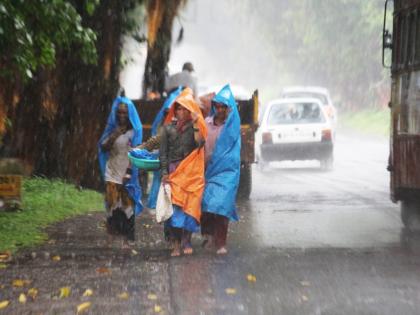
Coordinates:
[175,252]
[221,251]
[188,250]
[125,245]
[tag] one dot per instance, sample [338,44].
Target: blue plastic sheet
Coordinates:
[132,186]
[166,105]
[144,154]
[154,190]
[223,169]
[180,219]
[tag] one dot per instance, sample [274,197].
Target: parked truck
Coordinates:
[248,112]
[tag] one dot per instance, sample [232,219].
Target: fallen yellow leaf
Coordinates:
[4,304]
[20,282]
[88,292]
[32,292]
[304,298]
[3,266]
[305,283]
[230,291]
[157,308]
[22,298]
[251,278]
[152,296]
[64,292]
[56,258]
[134,252]
[123,296]
[82,307]
[5,256]
[103,270]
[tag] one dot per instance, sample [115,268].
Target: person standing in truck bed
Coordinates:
[183,78]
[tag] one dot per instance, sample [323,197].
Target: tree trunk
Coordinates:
[161,15]
[56,125]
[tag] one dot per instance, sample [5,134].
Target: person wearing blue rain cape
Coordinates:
[122,188]
[153,143]
[222,151]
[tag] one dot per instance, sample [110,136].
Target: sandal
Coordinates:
[175,252]
[222,251]
[187,250]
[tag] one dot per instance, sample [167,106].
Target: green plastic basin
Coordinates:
[148,165]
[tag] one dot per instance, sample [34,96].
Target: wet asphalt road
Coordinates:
[316,243]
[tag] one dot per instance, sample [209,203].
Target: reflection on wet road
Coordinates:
[318,243]
[298,205]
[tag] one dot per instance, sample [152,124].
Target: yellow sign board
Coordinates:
[10,186]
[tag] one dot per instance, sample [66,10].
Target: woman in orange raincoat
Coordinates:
[182,166]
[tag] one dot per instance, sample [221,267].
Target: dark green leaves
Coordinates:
[32,33]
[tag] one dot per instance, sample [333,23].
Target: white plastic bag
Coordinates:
[164,209]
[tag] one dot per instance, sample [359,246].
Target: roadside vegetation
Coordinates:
[370,121]
[44,202]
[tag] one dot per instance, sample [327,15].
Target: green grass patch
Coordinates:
[44,202]
[367,121]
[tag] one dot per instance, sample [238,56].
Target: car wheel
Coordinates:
[410,214]
[327,164]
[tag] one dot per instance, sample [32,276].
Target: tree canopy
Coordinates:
[59,72]
[33,32]
[335,43]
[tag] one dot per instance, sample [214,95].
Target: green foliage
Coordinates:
[33,32]
[44,202]
[332,43]
[90,6]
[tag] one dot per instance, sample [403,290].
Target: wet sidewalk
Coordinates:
[78,258]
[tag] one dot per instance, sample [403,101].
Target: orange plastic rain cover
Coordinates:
[187,181]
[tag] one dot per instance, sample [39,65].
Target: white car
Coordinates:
[295,129]
[320,93]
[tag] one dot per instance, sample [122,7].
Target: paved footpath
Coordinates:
[77,258]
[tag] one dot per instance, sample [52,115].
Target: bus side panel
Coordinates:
[405,4]
[405,175]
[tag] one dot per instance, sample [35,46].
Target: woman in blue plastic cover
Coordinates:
[122,189]
[222,152]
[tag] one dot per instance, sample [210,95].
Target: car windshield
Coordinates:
[319,96]
[295,113]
